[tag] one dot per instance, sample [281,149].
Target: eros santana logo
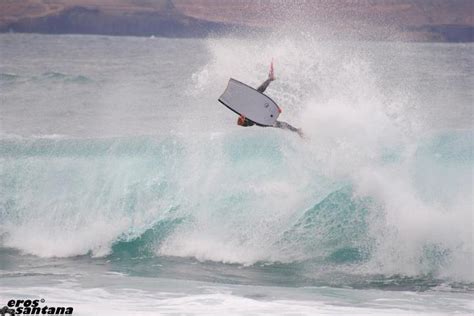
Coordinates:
[33,307]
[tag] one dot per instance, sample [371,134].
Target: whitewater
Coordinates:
[127,188]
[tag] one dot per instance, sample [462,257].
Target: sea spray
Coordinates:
[372,189]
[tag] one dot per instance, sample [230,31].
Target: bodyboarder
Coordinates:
[245,122]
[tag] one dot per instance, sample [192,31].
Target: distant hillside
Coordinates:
[111,17]
[420,20]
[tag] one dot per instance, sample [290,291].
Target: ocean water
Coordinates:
[127,189]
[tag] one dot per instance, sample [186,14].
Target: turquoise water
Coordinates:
[126,187]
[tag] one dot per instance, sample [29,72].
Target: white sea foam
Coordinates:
[238,191]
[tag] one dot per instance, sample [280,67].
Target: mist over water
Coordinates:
[123,153]
[370,148]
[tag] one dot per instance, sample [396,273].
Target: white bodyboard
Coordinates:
[247,101]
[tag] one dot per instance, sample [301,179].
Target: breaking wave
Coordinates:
[369,190]
[237,200]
